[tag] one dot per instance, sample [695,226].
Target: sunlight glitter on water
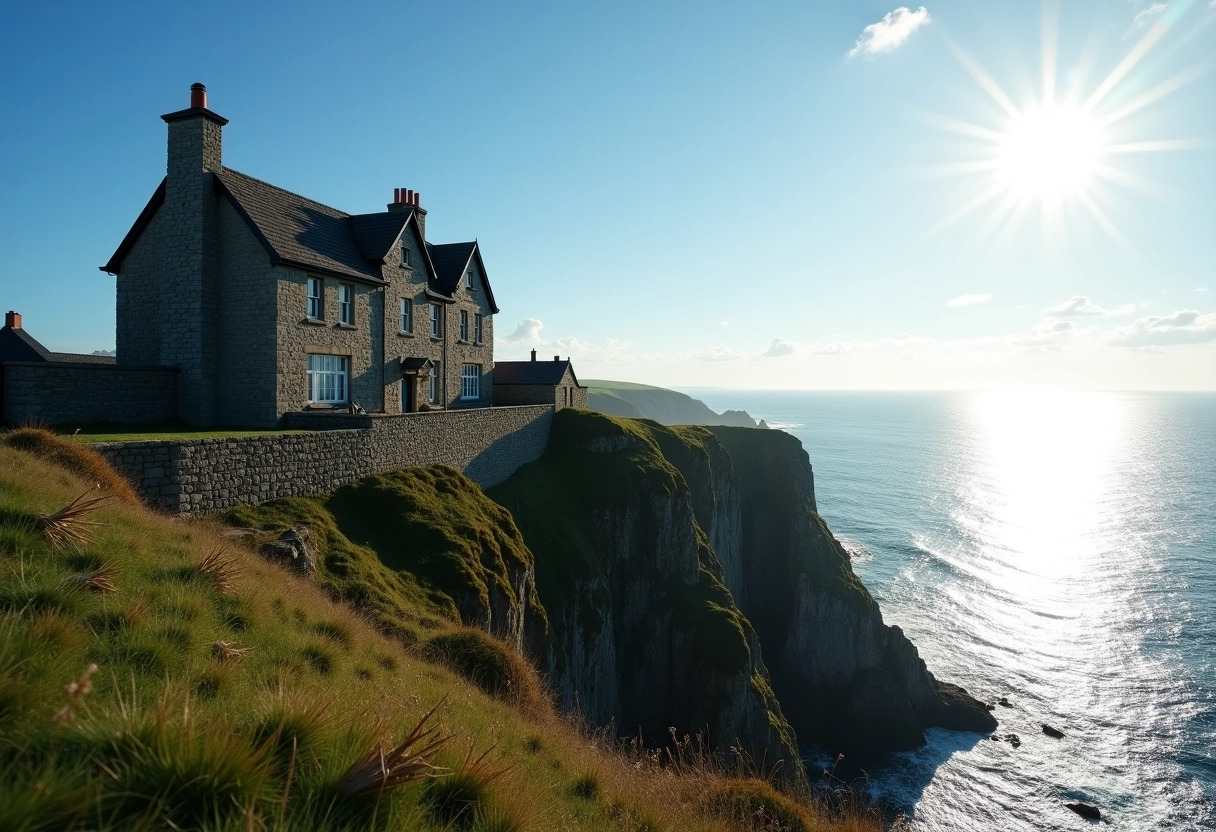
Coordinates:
[1051,548]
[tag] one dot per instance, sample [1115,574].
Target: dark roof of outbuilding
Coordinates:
[19,345]
[532,372]
[82,358]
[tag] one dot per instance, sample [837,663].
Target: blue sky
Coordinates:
[680,193]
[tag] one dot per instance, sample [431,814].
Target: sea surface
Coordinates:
[1056,549]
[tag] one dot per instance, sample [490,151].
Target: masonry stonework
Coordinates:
[207,475]
[63,393]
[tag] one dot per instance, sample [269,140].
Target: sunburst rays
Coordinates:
[1063,146]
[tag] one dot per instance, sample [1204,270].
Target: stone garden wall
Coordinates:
[64,393]
[206,475]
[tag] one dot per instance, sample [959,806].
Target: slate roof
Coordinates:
[19,345]
[452,261]
[532,372]
[301,232]
[298,231]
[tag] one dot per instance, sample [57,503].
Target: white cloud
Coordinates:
[716,352]
[527,330]
[1147,16]
[889,33]
[967,300]
[1186,326]
[1080,305]
[778,347]
[1202,289]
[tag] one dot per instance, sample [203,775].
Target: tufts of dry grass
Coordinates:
[68,526]
[228,650]
[491,665]
[100,580]
[220,569]
[379,770]
[65,453]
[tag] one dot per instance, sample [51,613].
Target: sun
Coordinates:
[1058,149]
[1050,152]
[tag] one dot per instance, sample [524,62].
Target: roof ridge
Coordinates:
[226,169]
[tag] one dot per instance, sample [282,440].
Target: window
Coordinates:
[477,328]
[405,256]
[315,288]
[470,381]
[346,304]
[436,321]
[327,376]
[407,315]
[433,385]
[464,325]
[468,279]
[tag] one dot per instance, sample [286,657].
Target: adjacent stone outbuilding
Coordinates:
[538,382]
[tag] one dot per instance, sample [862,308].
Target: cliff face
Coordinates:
[643,633]
[679,566]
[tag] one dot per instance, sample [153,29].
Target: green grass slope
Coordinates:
[416,549]
[158,675]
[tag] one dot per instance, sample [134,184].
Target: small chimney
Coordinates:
[533,351]
[401,200]
[198,96]
[557,358]
[12,320]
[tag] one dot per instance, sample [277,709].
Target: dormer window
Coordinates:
[405,257]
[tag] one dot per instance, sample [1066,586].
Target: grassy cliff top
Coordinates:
[156,674]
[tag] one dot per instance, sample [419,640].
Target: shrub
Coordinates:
[585,786]
[756,804]
[489,664]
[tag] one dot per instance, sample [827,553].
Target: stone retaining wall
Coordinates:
[65,393]
[206,475]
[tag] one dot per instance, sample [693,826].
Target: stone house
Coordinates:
[538,382]
[268,303]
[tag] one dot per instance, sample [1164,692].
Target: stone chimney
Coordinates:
[533,355]
[190,247]
[12,319]
[557,358]
[406,199]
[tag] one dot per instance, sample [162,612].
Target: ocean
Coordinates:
[1055,549]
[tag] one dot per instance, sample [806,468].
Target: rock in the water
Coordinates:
[294,548]
[1053,732]
[1014,740]
[1003,702]
[1085,810]
[994,738]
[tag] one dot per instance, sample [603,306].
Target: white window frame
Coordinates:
[470,381]
[316,299]
[436,321]
[432,392]
[405,256]
[464,324]
[478,327]
[346,304]
[468,279]
[328,379]
[407,315]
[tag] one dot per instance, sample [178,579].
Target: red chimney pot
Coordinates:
[417,199]
[12,320]
[198,96]
[396,196]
